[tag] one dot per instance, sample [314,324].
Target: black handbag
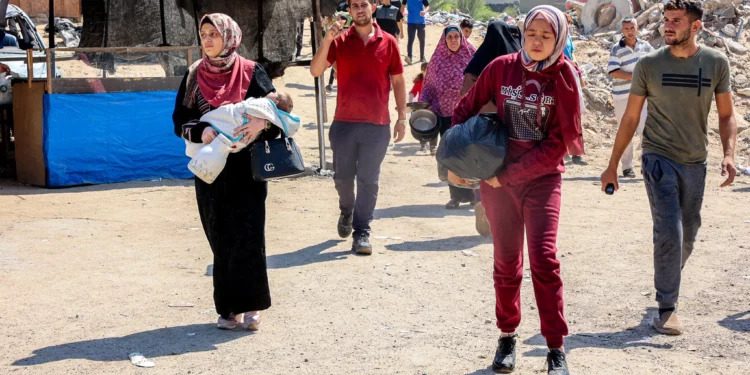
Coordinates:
[276,158]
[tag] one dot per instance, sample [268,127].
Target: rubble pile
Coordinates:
[443,18]
[724,28]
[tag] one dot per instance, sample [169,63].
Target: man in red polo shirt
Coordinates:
[367,62]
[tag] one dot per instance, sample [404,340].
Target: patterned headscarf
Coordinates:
[224,79]
[445,74]
[556,19]
[558,71]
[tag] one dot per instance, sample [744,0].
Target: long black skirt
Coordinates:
[233,214]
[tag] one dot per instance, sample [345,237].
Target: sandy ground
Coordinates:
[88,275]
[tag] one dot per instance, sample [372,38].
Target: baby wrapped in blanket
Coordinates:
[274,108]
[208,160]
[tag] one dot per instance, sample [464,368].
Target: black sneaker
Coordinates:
[579,160]
[361,243]
[505,356]
[345,225]
[556,363]
[628,173]
[423,60]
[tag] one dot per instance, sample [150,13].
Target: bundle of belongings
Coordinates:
[474,150]
[208,160]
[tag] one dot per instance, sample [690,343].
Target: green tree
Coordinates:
[471,7]
[477,9]
[442,5]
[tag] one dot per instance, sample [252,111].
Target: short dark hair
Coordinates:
[466,23]
[693,8]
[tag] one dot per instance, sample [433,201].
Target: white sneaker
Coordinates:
[251,320]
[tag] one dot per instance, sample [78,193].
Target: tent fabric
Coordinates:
[109,23]
[108,138]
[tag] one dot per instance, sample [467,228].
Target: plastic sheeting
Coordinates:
[106,138]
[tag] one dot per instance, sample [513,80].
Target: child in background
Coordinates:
[416,91]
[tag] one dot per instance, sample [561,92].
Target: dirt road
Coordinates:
[88,275]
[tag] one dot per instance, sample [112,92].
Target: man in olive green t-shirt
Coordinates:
[679,82]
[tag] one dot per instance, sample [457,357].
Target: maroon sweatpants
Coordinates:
[535,206]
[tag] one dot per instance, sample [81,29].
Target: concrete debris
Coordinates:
[741,80]
[736,47]
[601,15]
[724,24]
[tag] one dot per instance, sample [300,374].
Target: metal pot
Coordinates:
[423,124]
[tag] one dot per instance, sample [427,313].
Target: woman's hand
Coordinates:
[250,130]
[209,134]
[455,180]
[493,182]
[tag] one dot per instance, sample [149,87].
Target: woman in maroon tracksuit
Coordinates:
[538,100]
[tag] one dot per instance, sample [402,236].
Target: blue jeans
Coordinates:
[675,192]
[9,41]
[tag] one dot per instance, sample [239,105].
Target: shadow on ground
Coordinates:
[737,322]
[308,255]
[152,344]
[445,244]
[11,187]
[636,336]
[422,211]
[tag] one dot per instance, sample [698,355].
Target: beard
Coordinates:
[679,39]
[363,22]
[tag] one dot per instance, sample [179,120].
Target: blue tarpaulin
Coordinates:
[106,138]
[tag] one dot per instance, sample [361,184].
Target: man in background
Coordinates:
[622,59]
[416,27]
[389,19]
[680,82]
[367,63]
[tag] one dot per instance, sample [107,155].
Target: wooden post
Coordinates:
[189,58]
[50,71]
[30,65]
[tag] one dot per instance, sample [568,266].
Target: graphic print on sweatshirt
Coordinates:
[522,122]
[696,82]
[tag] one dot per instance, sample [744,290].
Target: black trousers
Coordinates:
[418,29]
[358,151]
[233,214]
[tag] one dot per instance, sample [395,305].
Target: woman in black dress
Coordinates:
[232,208]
